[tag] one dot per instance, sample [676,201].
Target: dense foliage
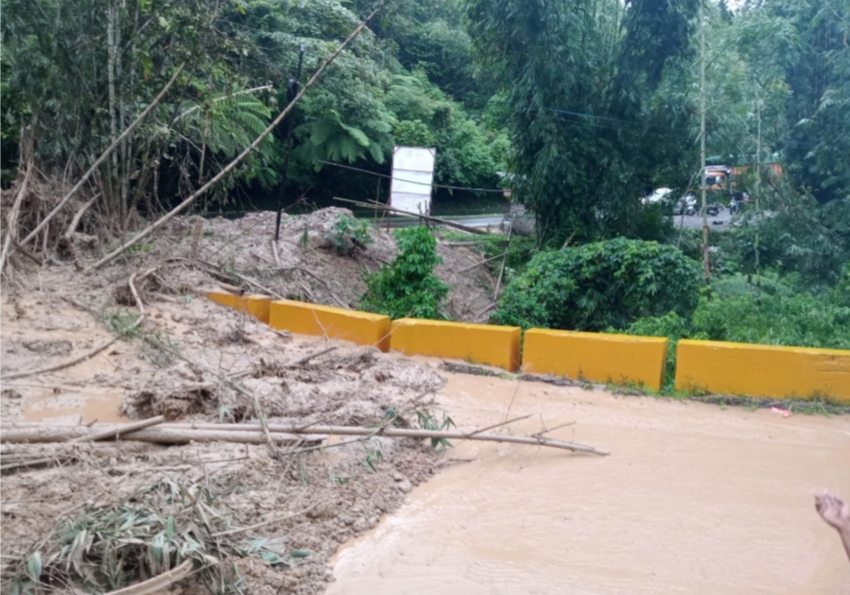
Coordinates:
[583,83]
[408,287]
[600,285]
[76,73]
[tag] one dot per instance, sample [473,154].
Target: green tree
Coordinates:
[586,124]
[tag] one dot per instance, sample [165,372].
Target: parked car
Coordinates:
[656,196]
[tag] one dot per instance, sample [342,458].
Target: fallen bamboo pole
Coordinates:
[396,433]
[103,157]
[172,434]
[12,225]
[445,222]
[114,432]
[278,433]
[241,157]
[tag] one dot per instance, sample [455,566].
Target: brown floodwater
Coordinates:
[694,499]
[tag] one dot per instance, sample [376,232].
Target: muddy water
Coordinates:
[693,499]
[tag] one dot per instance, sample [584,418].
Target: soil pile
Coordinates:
[316,261]
[192,360]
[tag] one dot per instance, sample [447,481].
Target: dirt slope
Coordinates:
[180,364]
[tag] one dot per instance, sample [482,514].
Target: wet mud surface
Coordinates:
[693,499]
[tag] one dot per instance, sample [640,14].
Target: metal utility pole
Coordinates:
[705,259]
[758,193]
[291,92]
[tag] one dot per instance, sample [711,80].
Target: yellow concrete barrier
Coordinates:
[763,370]
[348,325]
[478,343]
[256,305]
[596,356]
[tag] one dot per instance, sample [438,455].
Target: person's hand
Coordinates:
[834,511]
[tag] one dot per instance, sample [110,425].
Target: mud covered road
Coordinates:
[694,499]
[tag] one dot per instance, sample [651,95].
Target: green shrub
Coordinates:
[408,287]
[601,285]
[347,235]
[779,318]
[801,320]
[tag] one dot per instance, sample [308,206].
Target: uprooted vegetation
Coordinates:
[261,516]
[105,515]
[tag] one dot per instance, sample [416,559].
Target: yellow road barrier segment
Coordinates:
[256,305]
[335,323]
[763,370]
[621,359]
[476,343]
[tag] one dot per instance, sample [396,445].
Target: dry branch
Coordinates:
[73,362]
[123,429]
[446,222]
[163,434]
[307,358]
[502,269]
[278,433]
[478,264]
[13,218]
[264,523]
[103,157]
[75,222]
[158,583]
[241,157]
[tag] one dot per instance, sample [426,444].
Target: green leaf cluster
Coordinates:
[408,288]
[600,285]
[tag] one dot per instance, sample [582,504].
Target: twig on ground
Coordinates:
[307,358]
[158,583]
[558,427]
[74,361]
[478,264]
[124,429]
[498,425]
[264,523]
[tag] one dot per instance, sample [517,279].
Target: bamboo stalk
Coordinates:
[278,433]
[162,434]
[445,222]
[11,229]
[103,156]
[396,433]
[240,158]
[114,432]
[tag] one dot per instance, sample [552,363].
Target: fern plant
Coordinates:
[330,139]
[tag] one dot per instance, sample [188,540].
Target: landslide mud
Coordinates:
[693,499]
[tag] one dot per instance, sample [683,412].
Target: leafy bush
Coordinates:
[601,285]
[408,287]
[347,235]
[801,320]
[778,317]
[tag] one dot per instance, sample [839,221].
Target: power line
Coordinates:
[375,173]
